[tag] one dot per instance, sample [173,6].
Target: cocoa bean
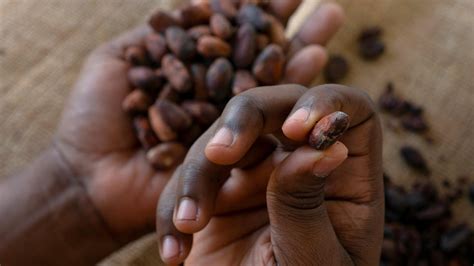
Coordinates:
[243,81]
[245,46]
[161,20]
[224,7]
[197,32]
[198,72]
[195,14]
[176,73]
[136,55]
[220,26]
[336,69]
[144,132]
[328,130]
[414,158]
[211,47]
[137,101]
[167,119]
[254,15]
[202,112]
[262,41]
[218,79]
[276,32]
[145,78]
[156,45]
[180,43]
[169,93]
[167,155]
[268,67]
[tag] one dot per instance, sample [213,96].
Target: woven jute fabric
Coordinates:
[429,58]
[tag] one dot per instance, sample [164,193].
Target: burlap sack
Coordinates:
[429,58]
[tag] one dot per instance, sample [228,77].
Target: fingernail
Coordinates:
[333,157]
[223,137]
[187,209]
[301,114]
[170,247]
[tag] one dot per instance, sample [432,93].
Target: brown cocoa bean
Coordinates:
[176,73]
[180,43]
[328,130]
[268,66]
[218,79]
[161,20]
[245,46]
[166,155]
[202,112]
[211,47]
[144,132]
[195,14]
[136,55]
[276,32]
[191,135]
[156,45]
[220,26]
[169,93]
[136,101]
[145,79]
[197,32]
[167,119]
[198,72]
[243,81]
[224,7]
[262,41]
[254,15]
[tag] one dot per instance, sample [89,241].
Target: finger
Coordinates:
[247,116]
[283,9]
[295,200]
[305,65]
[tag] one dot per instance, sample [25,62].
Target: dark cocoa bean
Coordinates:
[176,73]
[211,47]
[254,15]
[219,78]
[243,81]
[245,46]
[336,69]
[161,20]
[414,158]
[262,41]
[166,155]
[202,112]
[415,123]
[180,43]
[169,93]
[220,26]
[195,14]
[137,101]
[145,79]
[136,55]
[370,33]
[197,32]
[268,66]
[328,130]
[198,72]
[371,49]
[156,45]
[144,132]
[167,119]
[276,32]
[224,7]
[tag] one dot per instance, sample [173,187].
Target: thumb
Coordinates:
[301,231]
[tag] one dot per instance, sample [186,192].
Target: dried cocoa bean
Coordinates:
[224,7]
[370,45]
[167,155]
[336,69]
[176,73]
[198,72]
[254,15]
[211,47]
[167,119]
[262,41]
[370,33]
[328,130]
[180,43]
[169,93]
[268,66]
[195,14]
[137,101]
[136,55]
[197,32]
[414,158]
[245,46]
[145,78]
[243,81]
[219,78]
[144,132]
[220,26]
[156,45]
[202,112]
[415,123]
[161,20]
[276,32]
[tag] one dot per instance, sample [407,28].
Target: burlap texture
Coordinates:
[429,58]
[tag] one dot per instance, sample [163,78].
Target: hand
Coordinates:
[96,139]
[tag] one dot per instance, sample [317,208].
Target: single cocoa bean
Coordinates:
[202,112]
[145,79]
[161,20]
[176,73]
[211,47]
[268,67]
[191,135]
[136,55]
[218,79]
[328,130]
[276,32]
[156,45]
[197,32]
[144,132]
[195,14]
[180,43]
[137,101]
[220,26]
[370,45]
[336,69]
[224,7]
[254,15]
[198,72]
[245,46]
[169,93]
[166,155]
[243,81]
[262,41]
[167,119]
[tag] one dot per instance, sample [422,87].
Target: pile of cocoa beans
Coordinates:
[192,63]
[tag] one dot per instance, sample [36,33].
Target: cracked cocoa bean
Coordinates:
[224,7]
[180,43]
[212,47]
[136,55]
[218,79]
[145,78]
[254,15]
[195,14]
[161,20]
[176,73]
[144,132]
[243,81]
[328,130]
[167,155]
[268,67]
[198,72]
[167,119]
[197,32]
[136,102]
[245,46]
[156,45]
[202,112]
[221,27]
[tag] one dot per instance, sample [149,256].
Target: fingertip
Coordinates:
[173,250]
[298,124]
[334,156]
